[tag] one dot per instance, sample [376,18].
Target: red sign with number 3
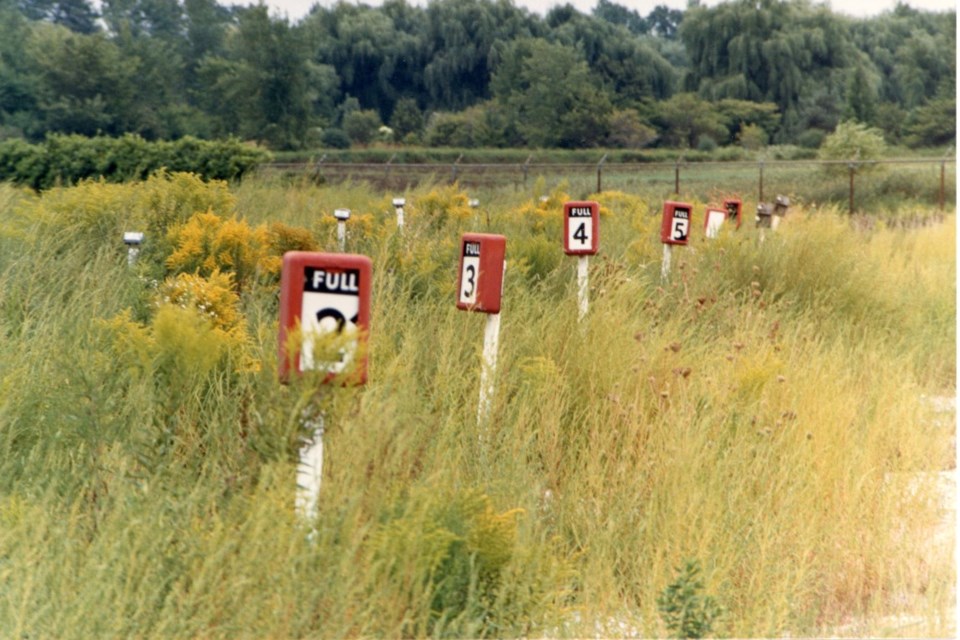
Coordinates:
[480,282]
[675,226]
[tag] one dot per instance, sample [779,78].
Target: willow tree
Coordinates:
[764,50]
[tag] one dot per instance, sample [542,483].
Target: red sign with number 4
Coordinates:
[581,228]
[480,282]
[675,226]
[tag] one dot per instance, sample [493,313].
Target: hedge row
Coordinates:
[67,159]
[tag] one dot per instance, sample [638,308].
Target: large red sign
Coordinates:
[480,283]
[326,296]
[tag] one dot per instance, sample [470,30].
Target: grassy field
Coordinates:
[746,420]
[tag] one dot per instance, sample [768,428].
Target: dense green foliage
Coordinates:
[474,73]
[67,159]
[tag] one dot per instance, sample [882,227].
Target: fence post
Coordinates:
[943,184]
[386,171]
[599,171]
[526,168]
[853,169]
[676,177]
[453,169]
[316,170]
[760,199]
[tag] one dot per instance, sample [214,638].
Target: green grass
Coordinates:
[747,416]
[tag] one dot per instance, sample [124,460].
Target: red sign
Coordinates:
[734,207]
[675,226]
[480,282]
[581,228]
[323,294]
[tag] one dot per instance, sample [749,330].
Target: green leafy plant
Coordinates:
[684,609]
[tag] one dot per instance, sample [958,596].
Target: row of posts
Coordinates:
[851,167]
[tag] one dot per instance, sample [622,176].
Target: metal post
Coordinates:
[853,169]
[599,172]
[760,198]
[454,168]
[943,184]
[386,172]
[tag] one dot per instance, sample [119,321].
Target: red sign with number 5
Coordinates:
[675,226]
[480,281]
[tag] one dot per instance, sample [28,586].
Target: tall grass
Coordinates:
[748,415]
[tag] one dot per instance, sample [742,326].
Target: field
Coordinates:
[737,451]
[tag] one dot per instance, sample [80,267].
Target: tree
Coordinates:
[554,99]
[853,141]
[629,131]
[861,96]
[76,15]
[763,50]
[85,84]
[362,125]
[629,68]
[684,119]
[407,118]
[462,39]
[934,123]
[618,14]
[664,21]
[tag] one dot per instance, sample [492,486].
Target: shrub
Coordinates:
[362,125]
[335,139]
[853,141]
[452,556]
[686,612]
[68,159]
[207,244]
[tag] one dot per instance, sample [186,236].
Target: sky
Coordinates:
[296,9]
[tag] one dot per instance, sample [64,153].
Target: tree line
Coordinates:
[474,73]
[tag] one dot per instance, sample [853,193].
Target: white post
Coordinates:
[398,204]
[342,215]
[310,468]
[491,340]
[488,370]
[583,274]
[132,239]
[665,266]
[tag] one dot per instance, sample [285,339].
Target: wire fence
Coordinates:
[855,185]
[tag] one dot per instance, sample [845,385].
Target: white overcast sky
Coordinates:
[296,9]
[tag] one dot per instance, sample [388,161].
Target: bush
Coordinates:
[686,612]
[853,141]
[362,126]
[335,139]
[63,159]
[811,138]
